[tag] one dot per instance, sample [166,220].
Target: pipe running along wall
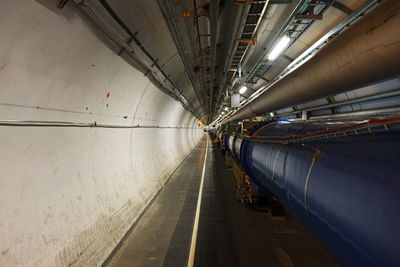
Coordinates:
[71,190]
[367,52]
[341,184]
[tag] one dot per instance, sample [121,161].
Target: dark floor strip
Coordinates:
[232,235]
[229,234]
[162,236]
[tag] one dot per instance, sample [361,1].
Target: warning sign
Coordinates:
[186,13]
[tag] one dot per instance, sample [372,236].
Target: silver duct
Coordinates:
[367,52]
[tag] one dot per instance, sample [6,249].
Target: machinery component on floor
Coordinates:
[246,193]
[340,180]
[243,192]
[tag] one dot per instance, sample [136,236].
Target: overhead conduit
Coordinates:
[367,52]
[148,72]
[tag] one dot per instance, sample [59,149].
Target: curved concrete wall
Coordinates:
[68,195]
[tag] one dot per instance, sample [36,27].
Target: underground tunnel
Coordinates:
[199,133]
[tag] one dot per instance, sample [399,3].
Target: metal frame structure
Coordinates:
[248,31]
[309,53]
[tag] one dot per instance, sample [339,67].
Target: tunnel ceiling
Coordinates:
[201,46]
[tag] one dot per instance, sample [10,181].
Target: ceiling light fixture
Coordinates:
[279,47]
[226,108]
[242,90]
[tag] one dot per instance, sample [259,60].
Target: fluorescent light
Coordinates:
[242,90]
[279,47]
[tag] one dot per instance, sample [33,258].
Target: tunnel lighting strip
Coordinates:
[197,216]
[311,51]
[279,48]
[18,123]
[218,120]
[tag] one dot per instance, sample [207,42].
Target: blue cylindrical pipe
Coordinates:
[226,142]
[237,143]
[344,190]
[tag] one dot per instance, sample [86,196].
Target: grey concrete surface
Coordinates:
[229,234]
[162,236]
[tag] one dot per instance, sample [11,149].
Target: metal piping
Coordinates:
[167,9]
[237,27]
[345,103]
[205,83]
[366,53]
[364,113]
[240,49]
[214,27]
[300,5]
[111,38]
[23,123]
[230,17]
[110,11]
[314,49]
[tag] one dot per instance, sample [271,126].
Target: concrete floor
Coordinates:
[228,235]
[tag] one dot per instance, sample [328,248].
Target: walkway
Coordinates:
[228,234]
